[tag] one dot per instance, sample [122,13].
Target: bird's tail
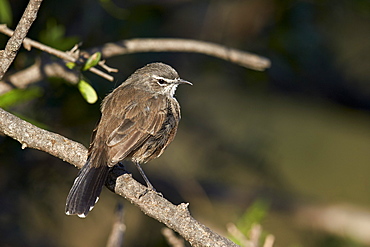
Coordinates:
[86,190]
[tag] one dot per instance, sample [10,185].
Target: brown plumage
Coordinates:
[139,120]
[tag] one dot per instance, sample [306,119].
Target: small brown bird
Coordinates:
[139,120]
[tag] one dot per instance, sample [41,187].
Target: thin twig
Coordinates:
[255,234]
[67,56]
[246,59]
[254,238]
[116,236]
[16,39]
[236,233]
[269,241]
[106,67]
[171,238]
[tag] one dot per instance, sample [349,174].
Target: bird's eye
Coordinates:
[161,81]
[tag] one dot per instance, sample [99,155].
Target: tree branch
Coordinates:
[42,68]
[171,238]
[116,236]
[33,137]
[67,56]
[14,43]
[246,59]
[38,71]
[242,58]
[175,217]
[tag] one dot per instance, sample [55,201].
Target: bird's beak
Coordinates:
[181,81]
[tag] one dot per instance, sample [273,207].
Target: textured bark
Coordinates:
[14,43]
[175,217]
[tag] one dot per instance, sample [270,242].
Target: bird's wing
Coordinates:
[134,124]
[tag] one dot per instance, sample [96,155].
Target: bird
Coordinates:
[139,119]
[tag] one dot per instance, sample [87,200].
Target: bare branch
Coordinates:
[21,79]
[236,233]
[106,67]
[269,241]
[171,238]
[151,203]
[255,234]
[33,137]
[33,73]
[67,56]
[36,72]
[175,217]
[242,58]
[119,228]
[15,42]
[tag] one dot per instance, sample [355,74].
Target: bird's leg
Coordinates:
[148,184]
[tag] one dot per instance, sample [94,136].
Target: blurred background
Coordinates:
[288,148]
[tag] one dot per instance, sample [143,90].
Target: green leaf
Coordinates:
[17,96]
[92,61]
[70,65]
[87,91]
[5,12]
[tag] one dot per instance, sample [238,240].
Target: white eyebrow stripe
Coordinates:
[165,79]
